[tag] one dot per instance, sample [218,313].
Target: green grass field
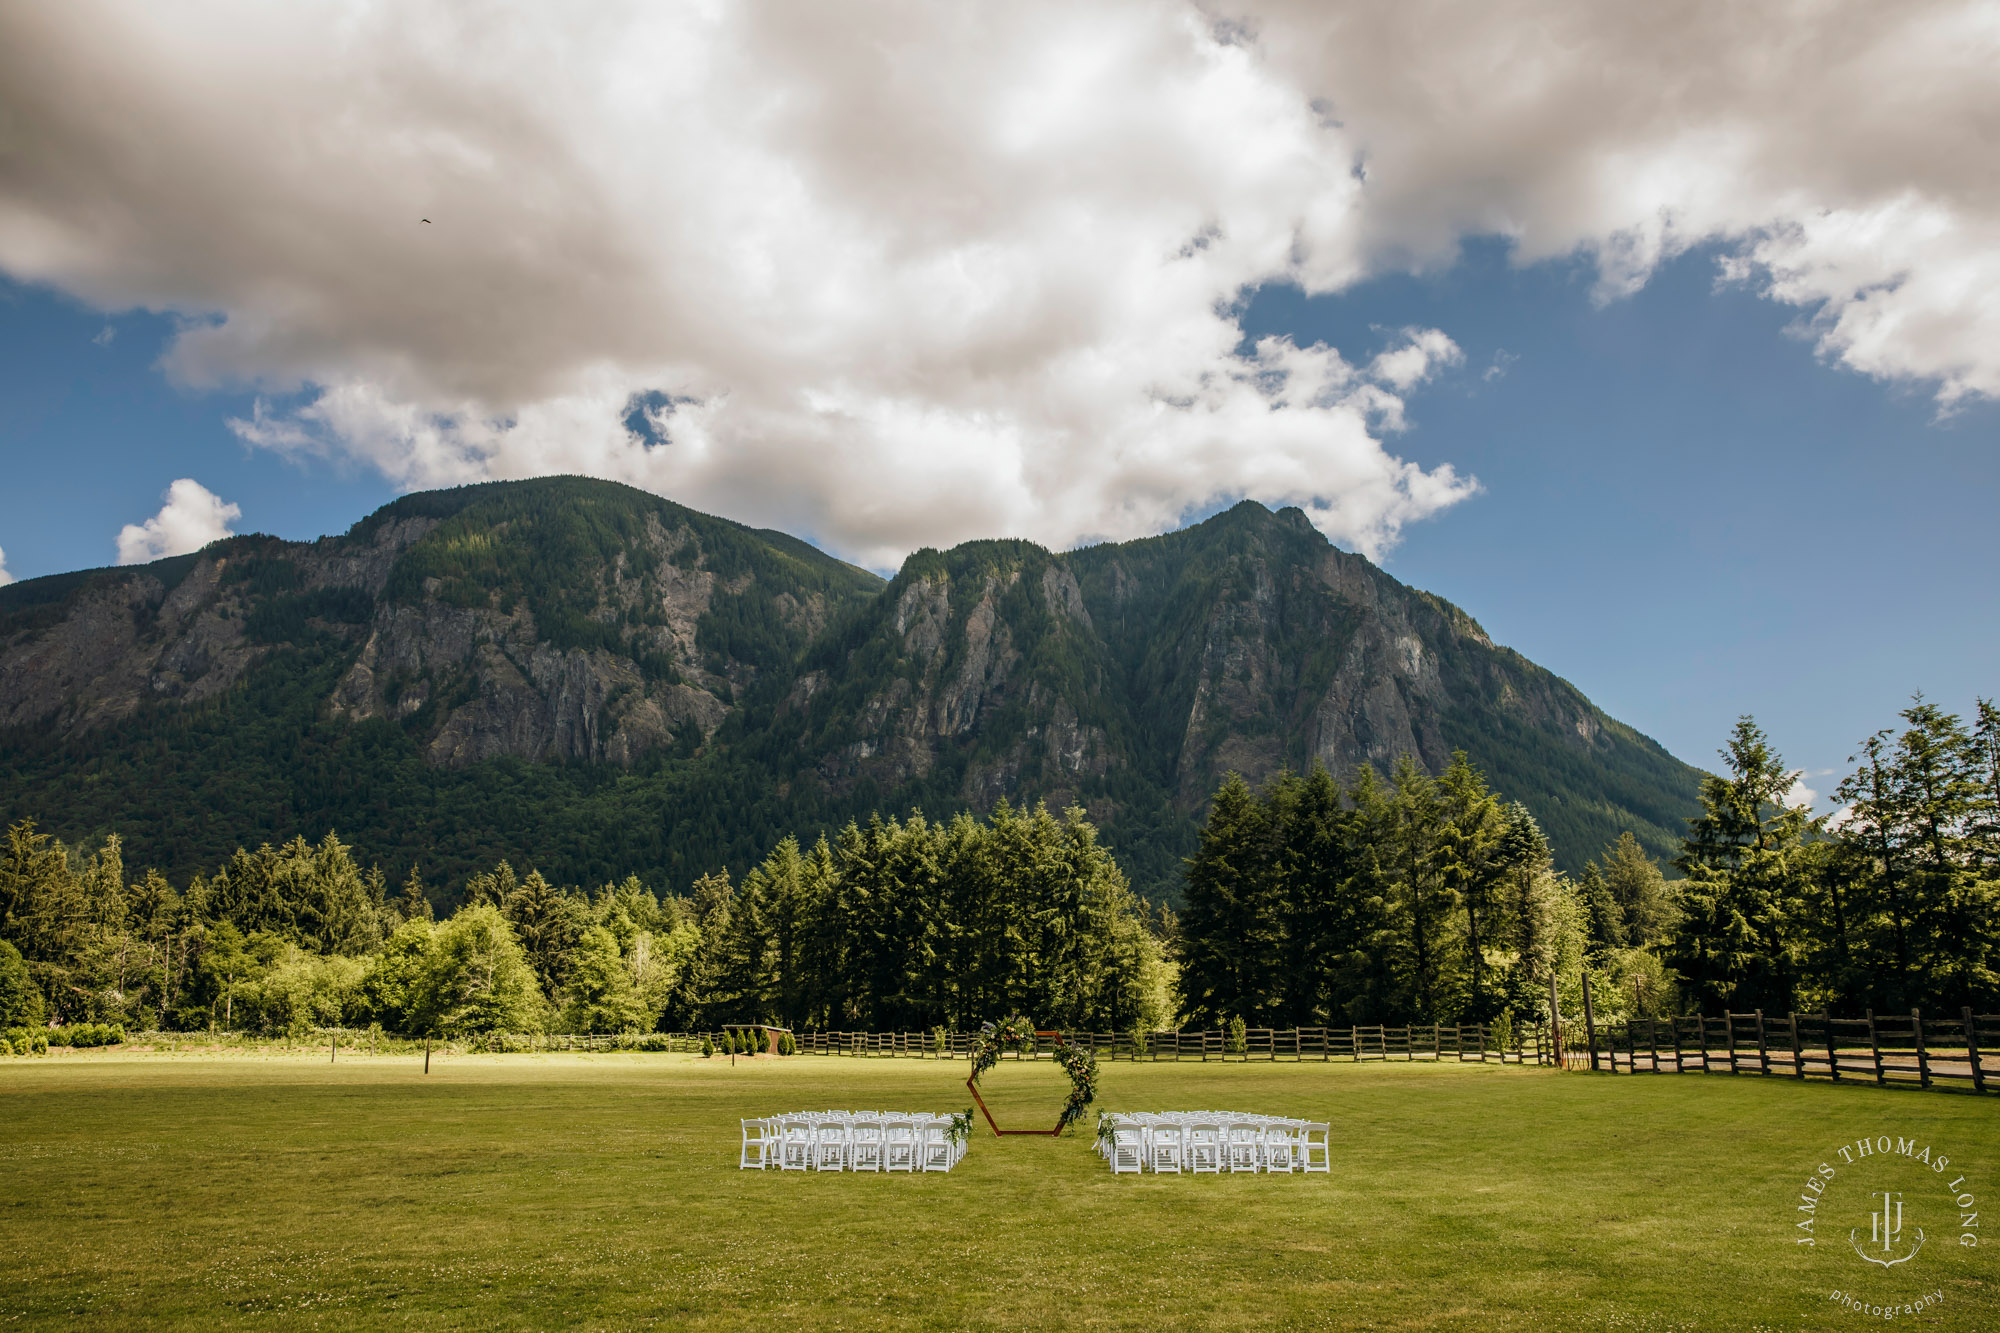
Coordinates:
[247,1191]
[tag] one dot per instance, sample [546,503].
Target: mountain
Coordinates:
[581,676]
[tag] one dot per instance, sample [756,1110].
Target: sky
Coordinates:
[1665,340]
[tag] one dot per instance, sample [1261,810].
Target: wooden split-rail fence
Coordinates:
[1893,1050]
[1470,1042]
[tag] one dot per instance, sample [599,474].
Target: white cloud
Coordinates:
[5,577]
[1802,795]
[192,517]
[919,273]
[1839,150]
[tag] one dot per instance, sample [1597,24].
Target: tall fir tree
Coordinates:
[1736,945]
[1226,924]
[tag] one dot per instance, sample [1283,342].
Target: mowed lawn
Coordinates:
[540,1192]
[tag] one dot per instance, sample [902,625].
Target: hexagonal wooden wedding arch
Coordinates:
[1016,1032]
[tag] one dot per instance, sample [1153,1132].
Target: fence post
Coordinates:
[1832,1049]
[1555,1024]
[1923,1060]
[1798,1049]
[1653,1044]
[1875,1048]
[1972,1050]
[1589,1023]
[1763,1048]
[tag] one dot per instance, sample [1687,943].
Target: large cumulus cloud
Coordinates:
[902,274]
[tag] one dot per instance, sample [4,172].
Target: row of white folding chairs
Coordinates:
[849,1141]
[1170,1145]
[1146,1120]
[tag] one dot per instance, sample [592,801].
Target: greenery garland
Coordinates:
[1018,1033]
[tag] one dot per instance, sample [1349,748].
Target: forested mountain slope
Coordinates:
[586,677]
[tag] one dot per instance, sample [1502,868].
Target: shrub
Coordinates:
[1500,1032]
[28,1041]
[80,1035]
[1238,1040]
[1138,1041]
[6,1047]
[707,1046]
[786,1045]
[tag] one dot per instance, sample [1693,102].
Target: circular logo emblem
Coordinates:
[1884,1208]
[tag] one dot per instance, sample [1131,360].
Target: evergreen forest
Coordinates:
[1411,899]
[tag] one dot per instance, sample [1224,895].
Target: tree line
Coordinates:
[1425,899]
[893,923]
[1410,899]
[1890,903]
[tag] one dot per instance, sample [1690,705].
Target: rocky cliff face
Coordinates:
[94,646]
[1244,644]
[456,655]
[577,621]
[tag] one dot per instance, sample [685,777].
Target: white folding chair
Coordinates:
[934,1150]
[1313,1144]
[1281,1148]
[899,1145]
[1245,1150]
[1167,1149]
[830,1146]
[795,1145]
[1128,1150]
[1204,1148]
[757,1141]
[864,1146]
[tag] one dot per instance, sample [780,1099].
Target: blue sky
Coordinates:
[888,278]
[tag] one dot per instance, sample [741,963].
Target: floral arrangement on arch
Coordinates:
[1017,1033]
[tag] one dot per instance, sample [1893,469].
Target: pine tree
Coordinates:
[1226,934]
[1317,869]
[1420,850]
[548,921]
[1736,945]
[1645,907]
[742,989]
[1607,921]
[1471,848]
